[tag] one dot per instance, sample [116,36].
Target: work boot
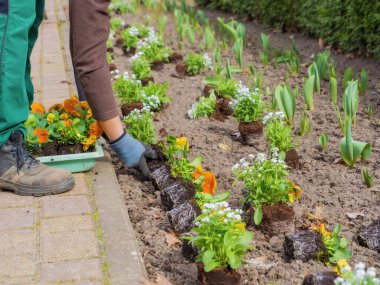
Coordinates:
[24,175]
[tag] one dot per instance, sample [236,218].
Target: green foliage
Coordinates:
[336,246]
[141,68]
[127,89]
[308,93]
[348,76]
[333,84]
[116,24]
[351,150]
[132,35]
[322,62]
[154,95]
[208,37]
[323,140]
[305,124]
[265,53]
[203,108]
[313,70]
[367,178]
[286,101]
[195,63]
[221,237]
[140,125]
[277,132]
[363,82]
[162,22]
[337,22]
[226,88]
[370,111]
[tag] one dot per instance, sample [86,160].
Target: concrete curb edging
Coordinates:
[125,262]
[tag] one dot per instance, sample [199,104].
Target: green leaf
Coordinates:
[258,216]
[286,102]
[234,260]
[197,161]
[308,92]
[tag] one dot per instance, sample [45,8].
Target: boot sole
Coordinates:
[26,190]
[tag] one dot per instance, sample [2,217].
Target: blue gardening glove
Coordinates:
[133,153]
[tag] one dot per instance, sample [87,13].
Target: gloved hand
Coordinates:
[133,153]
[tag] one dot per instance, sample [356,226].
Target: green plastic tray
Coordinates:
[74,162]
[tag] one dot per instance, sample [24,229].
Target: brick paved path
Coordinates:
[58,239]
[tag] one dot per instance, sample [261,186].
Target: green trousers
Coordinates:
[19,22]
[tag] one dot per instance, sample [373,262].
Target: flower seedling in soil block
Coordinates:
[279,135]
[269,191]
[64,129]
[335,244]
[194,64]
[357,276]
[222,240]
[248,109]
[223,87]
[140,125]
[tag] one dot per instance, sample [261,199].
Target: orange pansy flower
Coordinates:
[58,107]
[89,142]
[37,108]
[95,129]
[42,135]
[69,106]
[209,182]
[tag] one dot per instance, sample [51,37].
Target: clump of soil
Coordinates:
[158,65]
[126,109]
[55,148]
[277,219]
[145,81]
[223,109]
[292,158]
[218,276]
[181,69]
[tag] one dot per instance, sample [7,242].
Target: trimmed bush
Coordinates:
[352,25]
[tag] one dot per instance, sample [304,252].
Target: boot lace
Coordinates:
[23,157]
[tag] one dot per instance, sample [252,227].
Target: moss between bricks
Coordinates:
[99,235]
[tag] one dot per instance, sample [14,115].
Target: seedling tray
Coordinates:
[74,162]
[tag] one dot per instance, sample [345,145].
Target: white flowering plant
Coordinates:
[221,237]
[196,63]
[140,125]
[248,106]
[203,108]
[154,95]
[126,87]
[131,36]
[358,276]
[140,66]
[278,132]
[265,180]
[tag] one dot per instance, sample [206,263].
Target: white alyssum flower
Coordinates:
[133,31]
[207,61]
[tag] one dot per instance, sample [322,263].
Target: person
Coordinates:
[89,30]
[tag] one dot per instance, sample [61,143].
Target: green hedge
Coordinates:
[351,25]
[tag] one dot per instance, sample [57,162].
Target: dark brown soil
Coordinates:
[206,90]
[145,81]
[69,149]
[181,69]
[292,158]
[277,219]
[112,67]
[333,193]
[175,57]
[219,276]
[223,109]
[157,66]
[126,109]
[250,132]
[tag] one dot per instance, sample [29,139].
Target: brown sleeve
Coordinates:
[89,31]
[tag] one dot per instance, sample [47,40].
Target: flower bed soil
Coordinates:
[332,193]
